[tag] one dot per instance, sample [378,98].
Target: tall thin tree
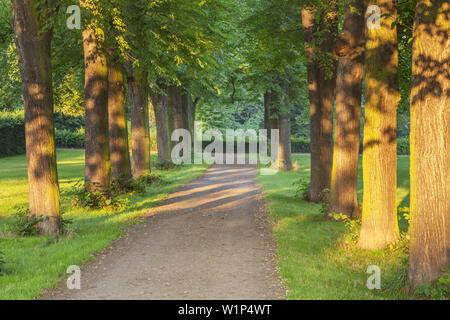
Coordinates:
[33,39]
[430,143]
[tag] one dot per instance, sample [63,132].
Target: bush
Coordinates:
[12,133]
[300,145]
[96,199]
[69,139]
[25,225]
[2,263]
[68,122]
[403,146]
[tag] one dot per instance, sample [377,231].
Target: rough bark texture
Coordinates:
[118,132]
[349,82]
[379,217]
[322,96]
[140,133]
[33,51]
[159,102]
[430,143]
[97,159]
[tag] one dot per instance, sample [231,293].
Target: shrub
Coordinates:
[2,263]
[403,146]
[12,133]
[70,139]
[166,165]
[25,225]
[300,145]
[440,289]
[68,122]
[301,187]
[95,199]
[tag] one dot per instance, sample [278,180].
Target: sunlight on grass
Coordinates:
[315,260]
[35,263]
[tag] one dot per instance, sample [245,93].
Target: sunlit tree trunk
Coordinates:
[159,102]
[379,217]
[138,93]
[430,143]
[97,158]
[321,85]
[33,51]
[349,82]
[118,132]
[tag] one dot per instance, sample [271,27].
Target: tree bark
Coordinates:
[322,96]
[159,102]
[33,51]
[140,132]
[379,217]
[267,96]
[349,83]
[118,131]
[284,124]
[430,143]
[97,158]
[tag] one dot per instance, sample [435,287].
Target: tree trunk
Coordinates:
[118,131]
[33,51]
[159,102]
[430,144]
[321,95]
[267,96]
[284,124]
[379,217]
[97,159]
[140,134]
[349,83]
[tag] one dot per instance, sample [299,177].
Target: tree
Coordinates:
[117,117]
[344,176]
[33,38]
[379,216]
[138,93]
[320,30]
[430,147]
[159,102]
[97,159]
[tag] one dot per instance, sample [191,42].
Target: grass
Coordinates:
[35,263]
[316,260]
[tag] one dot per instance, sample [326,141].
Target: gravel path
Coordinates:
[209,240]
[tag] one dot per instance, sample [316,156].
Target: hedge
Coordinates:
[12,133]
[69,139]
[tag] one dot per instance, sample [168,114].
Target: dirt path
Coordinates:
[209,240]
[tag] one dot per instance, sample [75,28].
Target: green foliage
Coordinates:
[403,146]
[2,263]
[440,289]
[70,139]
[25,225]
[166,165]
[12,133]
[95,199]
[300,145]
[65,121]
[301,187]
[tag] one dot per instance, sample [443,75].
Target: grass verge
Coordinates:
[316,258]
[35,263]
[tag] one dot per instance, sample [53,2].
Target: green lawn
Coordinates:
[35,263]
[316,259]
